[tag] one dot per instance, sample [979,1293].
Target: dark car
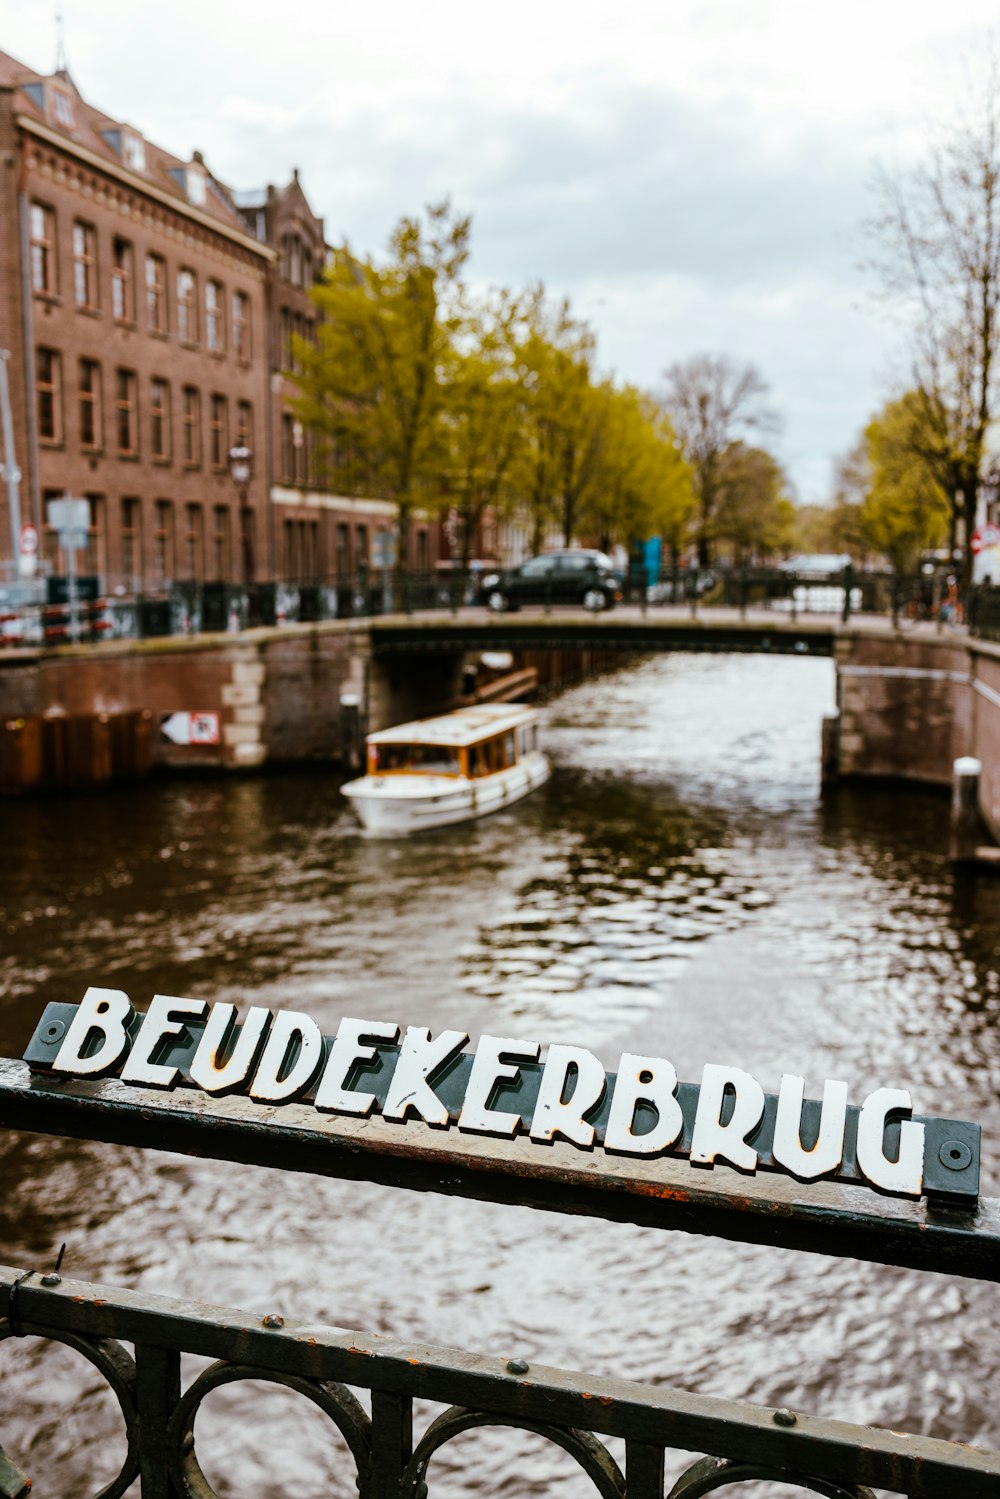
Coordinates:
[576,576]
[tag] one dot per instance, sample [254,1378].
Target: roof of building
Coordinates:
[55,101]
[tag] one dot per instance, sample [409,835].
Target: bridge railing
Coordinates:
[193,608]
[369,1386]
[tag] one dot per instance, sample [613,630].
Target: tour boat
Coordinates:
[453,768]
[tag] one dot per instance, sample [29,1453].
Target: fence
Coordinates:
[389,1457]
[190,608]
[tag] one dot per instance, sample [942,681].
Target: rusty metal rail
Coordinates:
[326,1365]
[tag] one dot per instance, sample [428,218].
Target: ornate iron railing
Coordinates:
[325,1365]
[578,1413]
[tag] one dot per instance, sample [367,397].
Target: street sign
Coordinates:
[190,728]
[71,519]
[373,1070]
[983,537]
[27,556]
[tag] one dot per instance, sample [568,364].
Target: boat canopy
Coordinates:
[456,730]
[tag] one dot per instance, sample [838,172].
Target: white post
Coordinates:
[966,827]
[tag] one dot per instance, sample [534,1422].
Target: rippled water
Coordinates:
[678,888]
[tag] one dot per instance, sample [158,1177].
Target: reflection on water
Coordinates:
[678,888]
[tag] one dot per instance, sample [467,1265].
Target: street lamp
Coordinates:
[241,472]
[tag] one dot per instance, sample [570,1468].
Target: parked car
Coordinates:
[575,576]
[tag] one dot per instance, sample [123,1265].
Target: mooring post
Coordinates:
[830,754]
[350,730]
[965,820]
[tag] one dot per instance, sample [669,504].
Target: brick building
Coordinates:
[133,305]
[319,532]
[148,313]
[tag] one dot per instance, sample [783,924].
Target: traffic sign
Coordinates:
[71,519]
[983,537]
[190,728]
[27,559]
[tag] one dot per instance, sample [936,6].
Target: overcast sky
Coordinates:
[693,174]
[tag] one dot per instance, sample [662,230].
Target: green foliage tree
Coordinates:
[558,464]
[484,413]
[644,484]
[755,515]
[373,384]
[905,509]
[938,235]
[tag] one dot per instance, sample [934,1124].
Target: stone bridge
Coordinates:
[910,700]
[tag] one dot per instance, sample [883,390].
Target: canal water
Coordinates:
[679,888]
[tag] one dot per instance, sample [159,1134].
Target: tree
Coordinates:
[644,484]
[484,416]
[755,513]
[902,507]
[372,386]
[939,253]
[712,401]
[557,470]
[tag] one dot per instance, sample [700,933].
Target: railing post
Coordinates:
[644,1471]
[830,762]
[392,1445]
[158,1389]
[848,589]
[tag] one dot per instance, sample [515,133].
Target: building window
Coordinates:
[132,543]
[85,266]
[62,107]
[163,542]
[218,437]
[95,558]
[343,550]
[122,301]
[194,542]
[43,250]
[156,294]
[91,424]
[126,413]
[241,325]
[192,427]
[221,544]
[244,424]
[159,417]
[187,307]
[134,151]
[49,387]
[361,545]
[287,448]
[215,333]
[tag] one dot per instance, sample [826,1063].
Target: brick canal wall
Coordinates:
[911,705]
[69,716]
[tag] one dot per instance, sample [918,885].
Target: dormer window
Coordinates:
[134,151]
[196,186]
[61,105]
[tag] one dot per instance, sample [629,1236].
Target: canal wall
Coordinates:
[910,705]
[83,715]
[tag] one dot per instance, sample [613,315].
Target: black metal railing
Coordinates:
[390,1458]
[194,608]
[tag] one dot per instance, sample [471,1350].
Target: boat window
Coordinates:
[421,759]
[509,753]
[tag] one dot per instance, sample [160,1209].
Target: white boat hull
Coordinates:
[389,805]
